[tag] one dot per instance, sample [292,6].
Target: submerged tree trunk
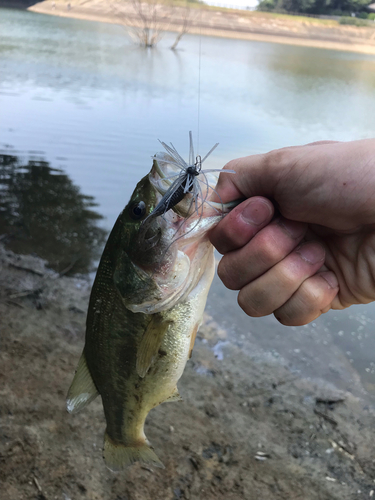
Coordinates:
[186,24]
[143,20]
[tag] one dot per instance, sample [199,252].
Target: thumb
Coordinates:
[247,181]
[259,175]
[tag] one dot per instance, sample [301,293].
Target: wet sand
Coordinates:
[226,23]
[247,428]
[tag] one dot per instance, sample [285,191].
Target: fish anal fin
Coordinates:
[118,456]
[150,343]
[175,396]
[82,390]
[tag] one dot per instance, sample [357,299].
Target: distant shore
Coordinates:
[226,23]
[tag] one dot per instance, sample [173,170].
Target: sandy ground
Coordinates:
[223,23]
[247,429]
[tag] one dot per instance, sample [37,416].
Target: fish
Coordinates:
[145,308]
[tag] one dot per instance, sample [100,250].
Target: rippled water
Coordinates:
[81,97]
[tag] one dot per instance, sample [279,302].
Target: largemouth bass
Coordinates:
[145,308]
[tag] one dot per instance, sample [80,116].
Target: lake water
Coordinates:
[81,97]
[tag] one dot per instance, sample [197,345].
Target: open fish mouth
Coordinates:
[188,220]
[185,190]
[177,239]
[195,203]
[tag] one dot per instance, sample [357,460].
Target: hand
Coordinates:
[303,242]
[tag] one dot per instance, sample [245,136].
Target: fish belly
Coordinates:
[160,382]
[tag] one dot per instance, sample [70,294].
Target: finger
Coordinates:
[313,298]
[268,247]
[268,293]
[241,224]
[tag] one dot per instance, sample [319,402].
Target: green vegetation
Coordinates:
[354,21]
[327,7]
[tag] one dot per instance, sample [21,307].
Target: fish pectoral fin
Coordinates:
[82,390]
[118,456]
[175,396]
[150,343]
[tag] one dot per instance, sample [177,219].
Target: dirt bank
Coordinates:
[247,429]
[226,23]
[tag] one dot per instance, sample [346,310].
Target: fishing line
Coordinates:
[199,75]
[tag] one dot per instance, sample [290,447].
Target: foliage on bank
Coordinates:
[317,7]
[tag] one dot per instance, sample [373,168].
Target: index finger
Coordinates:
[241,224]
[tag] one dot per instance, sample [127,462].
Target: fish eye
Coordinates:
[137,210]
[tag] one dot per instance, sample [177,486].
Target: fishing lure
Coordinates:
[186,181]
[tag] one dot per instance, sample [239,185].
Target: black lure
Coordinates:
[187,180]
[176,193]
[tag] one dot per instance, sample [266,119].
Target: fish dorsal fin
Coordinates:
[175,396]
[150,343]
[83,390]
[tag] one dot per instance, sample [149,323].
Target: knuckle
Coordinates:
[219,239]
[221,271]
[312,295]
[277,158]
[217,243]
[307,304]
[291,320]
[252,303]
[225,275]
[286,319]
[288,276]
[229,236]
[270,252]
[292,316]
[224,238]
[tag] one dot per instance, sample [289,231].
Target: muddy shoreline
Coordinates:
[247,428]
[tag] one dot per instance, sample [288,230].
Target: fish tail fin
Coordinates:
[118,456]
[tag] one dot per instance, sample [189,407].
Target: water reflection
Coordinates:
[43,212]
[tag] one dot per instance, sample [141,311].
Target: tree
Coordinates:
[186,23]
[314,6]
[146,20]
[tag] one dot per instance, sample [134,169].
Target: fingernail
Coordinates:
[294,229]
[330,278]
[256,213]
[311,253]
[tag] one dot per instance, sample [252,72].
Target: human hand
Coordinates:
[317,252]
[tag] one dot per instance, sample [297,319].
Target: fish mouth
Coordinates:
[164,173]
[191,218]
[180,239]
